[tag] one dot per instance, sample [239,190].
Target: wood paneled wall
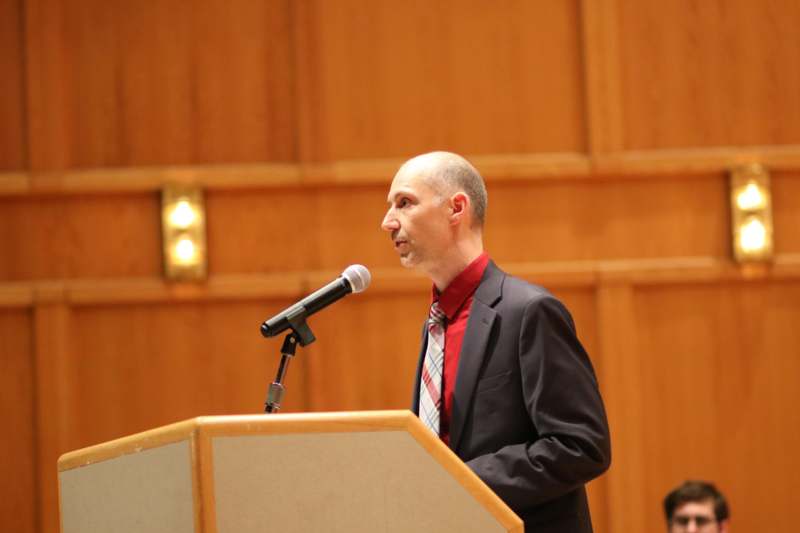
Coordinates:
[17,400]
[709,73]
[159,82]
[605,130]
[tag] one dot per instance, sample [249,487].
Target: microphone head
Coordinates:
[357,276]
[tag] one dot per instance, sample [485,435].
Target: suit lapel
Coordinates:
[473,351]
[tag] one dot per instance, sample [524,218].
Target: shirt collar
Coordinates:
[462,287]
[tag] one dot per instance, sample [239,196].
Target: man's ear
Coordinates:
[459,207]
[723,527]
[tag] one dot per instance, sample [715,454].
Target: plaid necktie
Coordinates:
[430,386]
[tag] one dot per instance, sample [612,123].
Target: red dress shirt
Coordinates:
[456,302]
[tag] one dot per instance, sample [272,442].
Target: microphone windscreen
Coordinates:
[357,276]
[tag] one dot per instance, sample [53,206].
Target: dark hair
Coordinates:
[696,491]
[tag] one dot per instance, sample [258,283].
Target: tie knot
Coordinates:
[436,314]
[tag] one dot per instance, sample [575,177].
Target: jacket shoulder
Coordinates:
[518,292]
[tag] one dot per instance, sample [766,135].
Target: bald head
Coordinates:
[448,173]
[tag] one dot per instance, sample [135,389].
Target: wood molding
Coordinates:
[223,287]
[697,160]
[137,179]
[54,405]
[619,374]
[13,183]
[203,482]
[655,271]
[270,175]
[532,166]
[226,287]
[145,440]
[349,173]
[310,143]
[17,294]
[603,97]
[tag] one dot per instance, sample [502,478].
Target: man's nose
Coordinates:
[389,222]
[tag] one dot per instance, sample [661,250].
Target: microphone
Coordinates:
[355,278]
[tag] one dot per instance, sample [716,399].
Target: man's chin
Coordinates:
[408,261]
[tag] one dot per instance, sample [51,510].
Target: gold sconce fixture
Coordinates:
[183,229]
[751,213]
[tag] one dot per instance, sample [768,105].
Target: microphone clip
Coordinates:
[297,321]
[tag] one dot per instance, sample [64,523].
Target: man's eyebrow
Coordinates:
[393,196]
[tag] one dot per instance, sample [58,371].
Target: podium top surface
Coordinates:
[262,424]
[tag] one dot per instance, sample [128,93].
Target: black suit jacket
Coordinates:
[527,414]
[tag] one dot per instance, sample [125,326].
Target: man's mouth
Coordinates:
[397,240]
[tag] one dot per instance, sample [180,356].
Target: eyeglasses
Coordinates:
[699,520]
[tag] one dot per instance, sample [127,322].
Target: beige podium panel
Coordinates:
[332,472]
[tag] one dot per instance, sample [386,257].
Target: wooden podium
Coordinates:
[321,472]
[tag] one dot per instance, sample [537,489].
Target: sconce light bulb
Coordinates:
[750,198]
[753,236]
[183,215]
[185,252]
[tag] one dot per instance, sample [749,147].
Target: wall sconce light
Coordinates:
[183,230]
[751,209]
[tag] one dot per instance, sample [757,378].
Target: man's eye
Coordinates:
[403,202]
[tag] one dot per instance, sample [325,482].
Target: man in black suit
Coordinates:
[502,377]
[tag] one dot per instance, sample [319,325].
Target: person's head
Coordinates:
[697,507]
[437,207]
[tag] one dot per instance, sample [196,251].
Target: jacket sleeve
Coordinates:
[571,443]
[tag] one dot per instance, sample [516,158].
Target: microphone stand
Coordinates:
[301,334]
